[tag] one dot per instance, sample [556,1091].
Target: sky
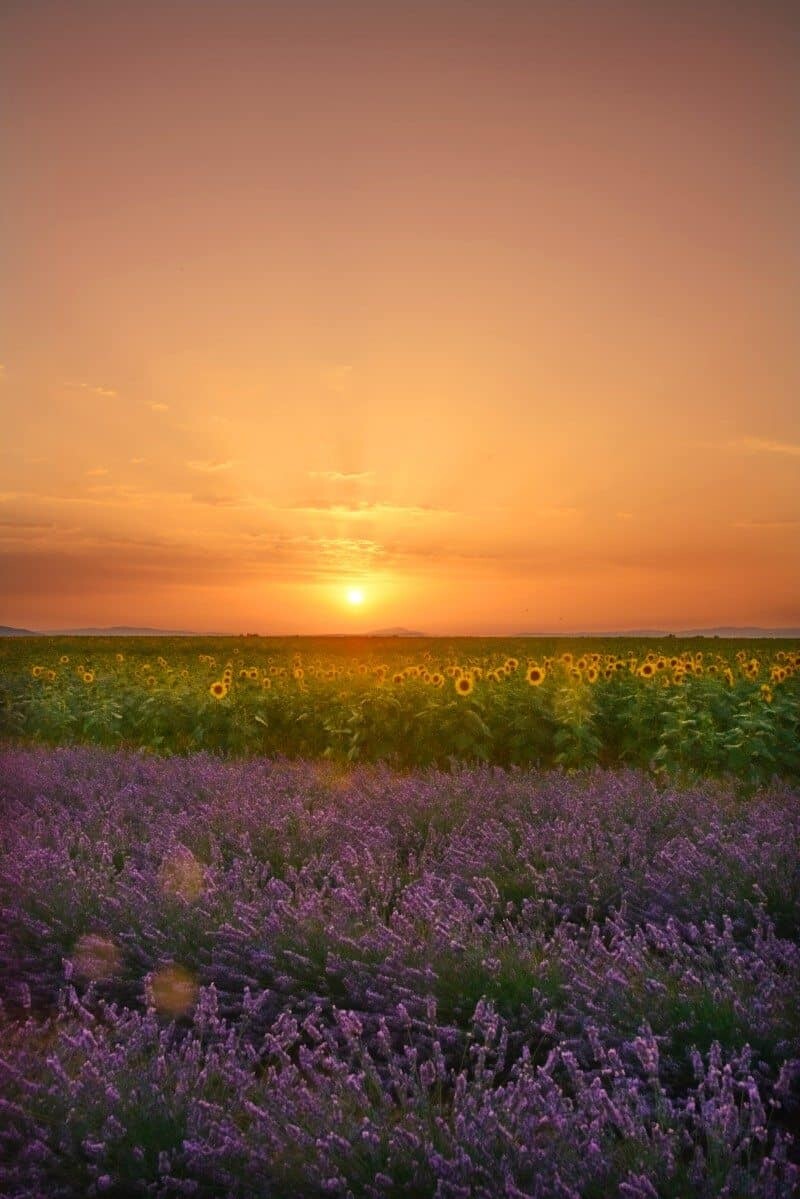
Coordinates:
[488,310]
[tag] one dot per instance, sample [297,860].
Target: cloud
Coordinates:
[761,445]
[208,467]
[213,500]
[97,471]
[158,407]
[342,476]
[105,393]
[766,524]
[366,508]
[137,461]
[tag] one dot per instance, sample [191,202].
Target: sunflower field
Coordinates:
[689,708]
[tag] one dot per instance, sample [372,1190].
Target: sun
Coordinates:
[355,596]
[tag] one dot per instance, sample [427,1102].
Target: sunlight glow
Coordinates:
[355,596]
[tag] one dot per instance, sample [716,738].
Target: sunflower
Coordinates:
[37,671]
[298,673]
[465,684]
[399,677]
[120,657]
[647,670]
[252,673]
[50,675]
[88,676]
[64,659]
[151,680]
[266,683]
[218,690]
[766,693]
[437,679]
[535,675]
[592,674]
[512,664]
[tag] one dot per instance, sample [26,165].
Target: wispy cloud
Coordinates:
[367,508]
[763,445]
[766,524]
[208,466]
[105,393]
[158,407]
[95,472]
[342,476]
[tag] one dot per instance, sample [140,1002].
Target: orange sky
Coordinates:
[484,307]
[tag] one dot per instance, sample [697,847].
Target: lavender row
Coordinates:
[265,978]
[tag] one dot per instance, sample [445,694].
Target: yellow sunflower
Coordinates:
[218,690]
[465,684]
[88,676]
[535,675]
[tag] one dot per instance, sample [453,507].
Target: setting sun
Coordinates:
[355,596]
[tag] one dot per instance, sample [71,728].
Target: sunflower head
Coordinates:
[64,659]
[218,690]
[465,684]
[647,670]
[88,676]
[535,675]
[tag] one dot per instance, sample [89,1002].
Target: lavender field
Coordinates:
[283,979]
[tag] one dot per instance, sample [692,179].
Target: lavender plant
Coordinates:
[264,978]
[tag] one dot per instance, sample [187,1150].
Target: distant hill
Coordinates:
[744,633]
[397,631]
[730,631]
[113,631]
[119,630]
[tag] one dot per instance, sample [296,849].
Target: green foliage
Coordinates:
[685,709]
